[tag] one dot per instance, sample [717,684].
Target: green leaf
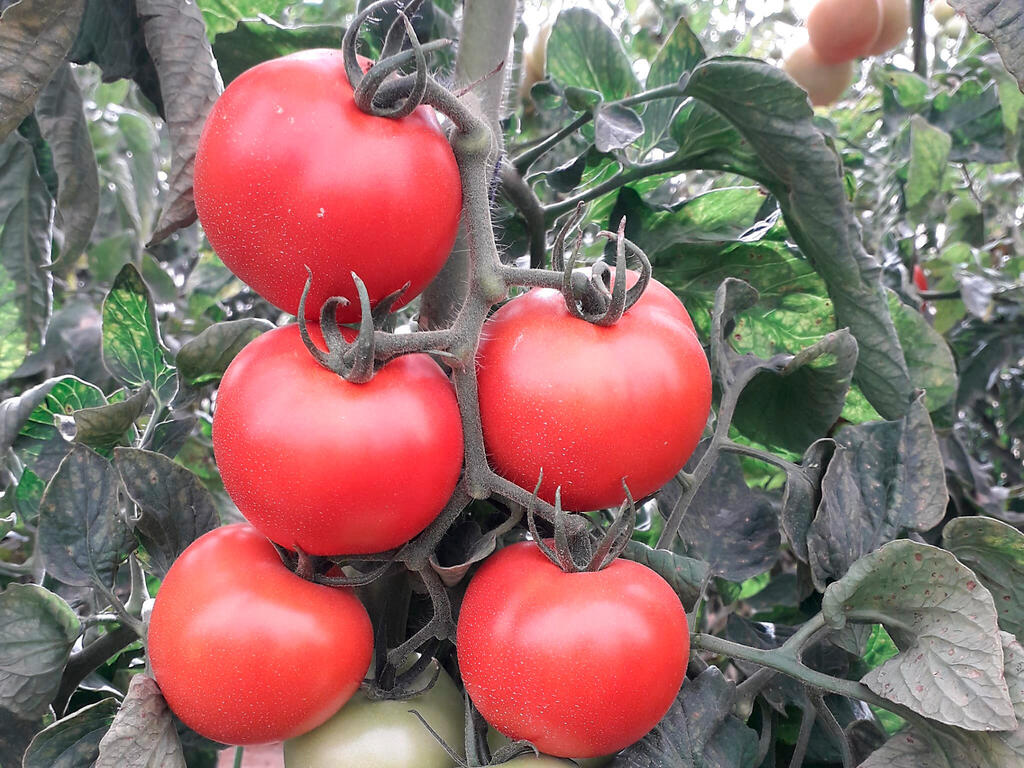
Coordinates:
[684,574]
[583,52]
[678,55]
[61,117]
[45,438]
[994,551]
[699,731]
[929,156]
[142,733]
[884,478]
[204,359]
[616,127]
[83,535]
[106,426]
[950,666]
[929,358]
[251,42]
[804,173]
[73,742]
[1001,22]
[222,15]
[792,404]
[28,495]
[176,509]
[973,117]
[581,99]
[15,411]
[39,631]
[132,349]
[176,38]
[34,37]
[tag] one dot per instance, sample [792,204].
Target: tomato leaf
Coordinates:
[994,551]
[73,742]
[699,731]
[1000,22]
[223,15]
[61,117]
[950,667]
[39,631]
[105,426]
[584,52]
[142,734]
[884,478]
[15,735]
[803,494]
[189,80]
[83,536]
[616,127]
[15,411]
[254,40]
[204,359]
[684,574]
[28,495]
[929,157]
[678,55]
[176,507]
[132,348]
[34,37]
[929,358]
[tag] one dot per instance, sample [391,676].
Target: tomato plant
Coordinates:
[234,634]
[291,173]
[529,634]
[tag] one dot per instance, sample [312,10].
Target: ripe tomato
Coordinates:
[840,30]
[316,462]
[581,664]
[824,83]
[245,651]
[920,279]
[591,405]
[289,172]
[385,734]
[895,23]
[658,294]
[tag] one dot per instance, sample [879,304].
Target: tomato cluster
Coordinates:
[580,663]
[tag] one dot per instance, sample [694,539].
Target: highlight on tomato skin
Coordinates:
[290,173]
[245,651]
[580,664]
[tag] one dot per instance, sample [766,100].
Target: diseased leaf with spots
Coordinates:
[39,629]
[142,734]
[950,665]
[73,742]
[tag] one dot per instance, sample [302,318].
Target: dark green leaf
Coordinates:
[995,551]
[1002,23]
[34,37]
[15,411]
[678,55]
[176,38]
[45,439]
[204,359]
[929,156]
[581,99]
[73,742]
[142,734]
[950,667]
[803,494]
[584,52]
[547,95]
[973,117]
[616,127]
[251,42]
[26,213]
[106,425]
[699,731]
[793,405]
[28,495]
[59,111]
[804,173]
[222,15]
[684,574]
[159,281]
[83,535]
[171,434]
[176,507]
[929,358]
[15,735]
[132,349]
[39,630]
[885,478]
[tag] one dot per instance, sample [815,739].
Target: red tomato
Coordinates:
[840,30]
[920,280]
[316,462]
[658,294]
[581,664]
[590,405]
[289,172]
[245,651]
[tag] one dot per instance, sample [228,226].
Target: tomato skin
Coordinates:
[895,23]
[590,405]
[658,295]
[581,664]
[289,172]
[245,651]
[310,459]
[840,30]
[385,734]
[920,279]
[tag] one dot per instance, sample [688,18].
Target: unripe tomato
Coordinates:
[581,664]
[942,11]
[385,734]
[289,172]
[824,83]
[591,406]
[895,23]
[247,652]
[840,30]
[316,462]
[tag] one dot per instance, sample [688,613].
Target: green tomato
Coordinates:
[496,740]
[384,734]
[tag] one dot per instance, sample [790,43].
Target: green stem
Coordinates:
[919,41]
[239,753]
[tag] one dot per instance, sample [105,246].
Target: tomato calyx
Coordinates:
[575,549]
[478,751]
[592,299]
